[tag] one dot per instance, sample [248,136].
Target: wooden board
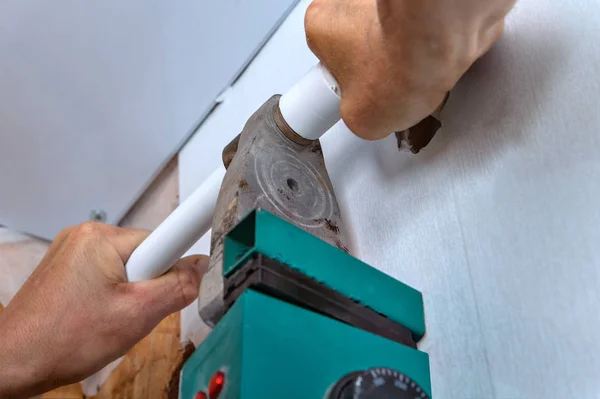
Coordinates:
[146,370]
[72,391]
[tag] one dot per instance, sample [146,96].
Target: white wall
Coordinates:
[496,222]
[96,96]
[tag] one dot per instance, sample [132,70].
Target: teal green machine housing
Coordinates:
[307,321]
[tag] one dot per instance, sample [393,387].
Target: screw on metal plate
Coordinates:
[98,215]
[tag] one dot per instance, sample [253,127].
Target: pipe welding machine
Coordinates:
[294,315]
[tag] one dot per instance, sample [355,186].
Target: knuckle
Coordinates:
[367,126]
[314,27]
[357,119]
[314,9]
[90,229]
[361,131]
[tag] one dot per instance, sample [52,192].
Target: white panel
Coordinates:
[96,96]
[496,221]
[523,130]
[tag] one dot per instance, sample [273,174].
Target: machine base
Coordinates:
[270,349]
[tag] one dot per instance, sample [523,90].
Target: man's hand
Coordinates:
[76,313]
[395,60]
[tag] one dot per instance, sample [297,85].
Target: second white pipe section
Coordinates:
[177,233]
[310,108]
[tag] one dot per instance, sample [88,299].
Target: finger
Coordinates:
[126,240]
[123,240]
[173,290]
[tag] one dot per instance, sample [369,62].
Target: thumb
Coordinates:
[173,290]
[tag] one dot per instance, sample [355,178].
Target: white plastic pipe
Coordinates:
[177,233]
[312,106]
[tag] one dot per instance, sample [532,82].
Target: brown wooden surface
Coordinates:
[146,369]
[72,391]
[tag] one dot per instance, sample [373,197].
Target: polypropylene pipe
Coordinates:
[312,106]
[177,233]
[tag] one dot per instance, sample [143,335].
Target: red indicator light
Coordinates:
[216,384]
[201,395]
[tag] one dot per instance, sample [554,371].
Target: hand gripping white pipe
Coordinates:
[310,108]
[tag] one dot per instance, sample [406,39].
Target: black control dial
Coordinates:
[377,383]
[384,383]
